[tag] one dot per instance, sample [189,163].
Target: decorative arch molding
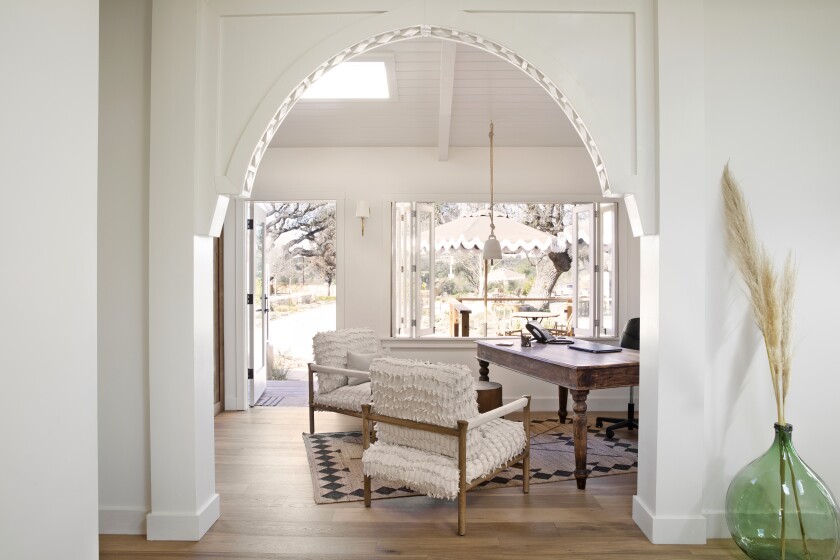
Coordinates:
[439,32]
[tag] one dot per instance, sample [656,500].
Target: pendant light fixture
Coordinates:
[492,248]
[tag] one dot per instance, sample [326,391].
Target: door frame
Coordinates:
[236,287]
[257,381]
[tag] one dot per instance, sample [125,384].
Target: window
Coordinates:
[369,76]
[559,267]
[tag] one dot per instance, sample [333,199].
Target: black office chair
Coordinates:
[629,339]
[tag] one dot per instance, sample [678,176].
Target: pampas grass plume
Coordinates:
[771,295]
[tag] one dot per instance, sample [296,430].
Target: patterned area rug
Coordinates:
[336,466]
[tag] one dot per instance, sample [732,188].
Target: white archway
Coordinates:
[624,180]
[437,32]
[183,502]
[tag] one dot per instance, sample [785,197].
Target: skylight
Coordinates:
[352,80]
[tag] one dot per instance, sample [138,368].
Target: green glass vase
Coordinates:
[777,508]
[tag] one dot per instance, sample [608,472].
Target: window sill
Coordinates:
[458,343]
[431,342]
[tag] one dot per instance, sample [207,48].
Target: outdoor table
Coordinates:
[535,315]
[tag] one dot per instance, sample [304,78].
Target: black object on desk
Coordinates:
[594,347]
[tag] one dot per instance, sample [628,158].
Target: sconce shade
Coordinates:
[492,249]
[362,209]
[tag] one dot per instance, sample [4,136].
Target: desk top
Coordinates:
[563,366]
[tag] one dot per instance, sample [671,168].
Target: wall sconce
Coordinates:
[362,212]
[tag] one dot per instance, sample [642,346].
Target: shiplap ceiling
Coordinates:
[483,87]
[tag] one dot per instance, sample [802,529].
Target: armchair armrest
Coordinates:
[481,419]
[315,368]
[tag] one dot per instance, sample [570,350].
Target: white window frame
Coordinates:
[412,331]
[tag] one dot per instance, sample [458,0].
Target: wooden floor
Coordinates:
[268,511]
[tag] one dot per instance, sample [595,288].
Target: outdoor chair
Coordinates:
[629,339]
[342,360]
[430,436]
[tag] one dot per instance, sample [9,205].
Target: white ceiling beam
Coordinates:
[447,86]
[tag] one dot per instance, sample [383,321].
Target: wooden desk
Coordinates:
[571,370]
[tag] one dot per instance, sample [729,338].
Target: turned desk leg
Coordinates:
[563,393]
[580,436]
[483,370]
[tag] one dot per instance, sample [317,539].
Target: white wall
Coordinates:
[48,140]
[184,501]
[382,175]
[267,50]
[125,60]
[771,110]
[768,87]
[673,362]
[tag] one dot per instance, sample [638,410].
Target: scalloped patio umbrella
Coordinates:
[468,233]
[504,275]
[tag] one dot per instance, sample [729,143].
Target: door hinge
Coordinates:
[414,213]
[249,299]
[597,213]
[414,322]
[414,268]
[597,323]
[249,223]
[250,373]
[597,268]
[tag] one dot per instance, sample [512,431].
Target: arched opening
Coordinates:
[443,33]
[261,151]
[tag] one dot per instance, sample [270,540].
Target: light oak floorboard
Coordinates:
[267,511]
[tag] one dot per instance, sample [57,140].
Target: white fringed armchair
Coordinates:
[430,436]
[342,388]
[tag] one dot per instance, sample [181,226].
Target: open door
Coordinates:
[414,266]
[424,265]
[583,264]
[606,267]
[257,304]
[402,270]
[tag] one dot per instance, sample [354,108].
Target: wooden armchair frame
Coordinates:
[521,461]
[313,406]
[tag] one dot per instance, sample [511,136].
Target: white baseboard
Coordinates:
[182,527]
[594,403]
[122,521]
[716,527]
[689,529]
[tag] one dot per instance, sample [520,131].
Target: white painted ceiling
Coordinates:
[484,87]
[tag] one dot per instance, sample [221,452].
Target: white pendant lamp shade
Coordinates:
[492,248]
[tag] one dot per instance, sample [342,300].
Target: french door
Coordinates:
[257,304]
[594,267]
[414,266]
[583,265]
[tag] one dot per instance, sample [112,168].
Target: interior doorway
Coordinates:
[300,293]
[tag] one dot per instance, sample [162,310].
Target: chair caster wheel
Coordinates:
[610,434]
[598,423]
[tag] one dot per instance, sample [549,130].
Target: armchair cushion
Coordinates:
[437,475]
[330,349]
[347,397]
[361,362]
[439,394]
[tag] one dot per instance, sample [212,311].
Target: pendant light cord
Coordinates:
[492,224]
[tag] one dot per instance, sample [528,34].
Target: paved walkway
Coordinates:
[293,333]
